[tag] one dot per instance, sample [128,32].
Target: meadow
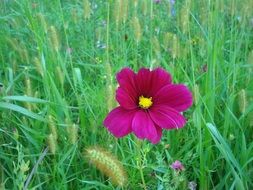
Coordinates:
[58,61]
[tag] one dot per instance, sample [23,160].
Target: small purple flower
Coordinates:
[177,165]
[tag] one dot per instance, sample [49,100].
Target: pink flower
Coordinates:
[148,102]
[177,165]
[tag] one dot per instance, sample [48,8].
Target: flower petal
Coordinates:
[175,96]
[159,135]
[119,122]
[167,117]
[160,78]
[125,100]
[143,82]
[143,127]
[126,80]
[149,82]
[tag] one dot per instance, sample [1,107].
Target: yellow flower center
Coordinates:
[144,102]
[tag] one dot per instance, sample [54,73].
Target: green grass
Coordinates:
[58,65]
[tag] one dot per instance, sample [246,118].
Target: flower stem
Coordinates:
[142,178]
[140,163]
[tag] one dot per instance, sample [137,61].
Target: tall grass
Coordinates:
[58,60]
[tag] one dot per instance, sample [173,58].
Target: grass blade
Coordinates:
[21,110]
[227,154]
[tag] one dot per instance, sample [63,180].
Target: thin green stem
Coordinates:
[142,178]
[140,163]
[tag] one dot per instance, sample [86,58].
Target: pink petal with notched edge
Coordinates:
[160,78]
[144,128]
[143,81]
[166,117]
[149,82]
[126,80]
[119,122]
[176,96]
[125,100]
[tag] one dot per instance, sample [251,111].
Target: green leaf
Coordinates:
[227,154]
[21,110]
[25,99]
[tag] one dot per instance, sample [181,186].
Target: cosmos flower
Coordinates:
[177,165]
[148,103]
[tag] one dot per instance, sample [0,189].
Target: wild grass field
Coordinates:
[58,61]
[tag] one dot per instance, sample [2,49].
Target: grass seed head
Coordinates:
[136,29]
[185,16]
[24,54]
[38,66]
[167,40]
[144,8]
[135,2]
[156,47]
[250,58]
[52,127]
[42,22]
[28,85]
[108,71]
[51,141]
[107,164]
[72,133]
[110,97]
[60,75]
[175,49]
[242,100]
[120,11]
[247,9]
[54,39]
[74,15]
[124,9]
[116,11]
[87,11]
[196,94]
[109,87]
